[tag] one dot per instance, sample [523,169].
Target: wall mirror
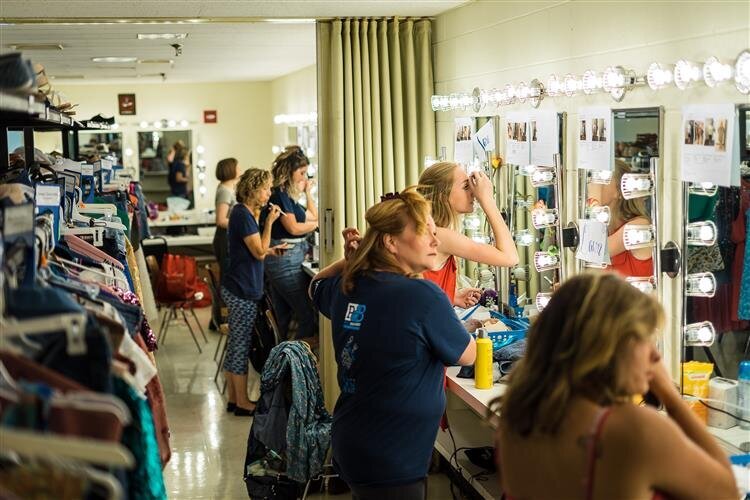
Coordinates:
[625,197]
[154,160]
[94,144]
[534,197]
[716,312]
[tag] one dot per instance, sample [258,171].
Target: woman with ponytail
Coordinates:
[393,334]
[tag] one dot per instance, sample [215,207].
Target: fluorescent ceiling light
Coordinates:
[161,36]
[288,21]
[111,59]
[36,46]
[155,61]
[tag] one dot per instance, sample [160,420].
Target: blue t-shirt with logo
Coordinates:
[244,276]
[392,336]
[288,206]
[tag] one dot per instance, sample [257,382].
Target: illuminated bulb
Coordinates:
[685,73]
[312,169]
[510,92]
[700,285]
[554,86]
[638,236]
[453,101]
[524,238]
[742,72]
[498,97]
[523,92]
[279,119]
[201,162]
[201,176]
[115,126]
[572,85]
[128,152]
[635,185]
[699,334]
[434,101]
[614,78]
[701,233]
[544,217]
[143,124]
[658,76]
[600,176]
[591,82]
[480,238]
[172,123]
[527,169]
[275,149]
[157,124]
[200,149]
[184,123]
[202,189]
[542,299]
[472,223]
[715,72]
[645,285]
[542,177]
[544,261]
[445,103]
[599,213]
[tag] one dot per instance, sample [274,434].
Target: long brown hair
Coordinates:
[435,184]
[623,210]
[573,350]
[288,162]
[387,217]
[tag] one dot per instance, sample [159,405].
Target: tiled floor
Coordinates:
[208,444]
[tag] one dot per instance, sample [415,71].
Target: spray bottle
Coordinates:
[483,362]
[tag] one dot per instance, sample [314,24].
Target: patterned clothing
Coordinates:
[242,315]
[308,426]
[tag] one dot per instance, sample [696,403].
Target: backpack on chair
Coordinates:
[265,335]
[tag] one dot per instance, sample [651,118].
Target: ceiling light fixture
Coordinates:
[114,59]
[742,72]
[686,73]
[36,46]
[716,72]
[156,61]
[659,76]
[162,36]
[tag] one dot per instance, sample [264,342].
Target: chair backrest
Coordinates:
[152,265]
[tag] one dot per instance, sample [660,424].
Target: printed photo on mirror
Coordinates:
[582,135]
[710,132]
[602,129]
[533,131]
[698,136]
[721,135]
[595,129]
[689,133]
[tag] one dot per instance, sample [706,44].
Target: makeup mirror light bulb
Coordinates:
[659,76]
[202,190]
[184,123]
[543,217]
[742,72]
[599,213]
[543,176]
[700,285]
[591,82]
[472,222]
[128,152]
[157,124]
[201,176]
[554,86]
[686,73]
[544,261]
[524,238]
[638,236]
[644,284]
[480,238]
[435,102]
[703,233]
[542,299]
[715,72]
[527,170]
[143,124]
[200,149]
[636,185]
[201,162]
[572,85]
[699,334]
[171,123]
[600,176]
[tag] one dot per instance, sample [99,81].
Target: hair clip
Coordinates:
[390,196]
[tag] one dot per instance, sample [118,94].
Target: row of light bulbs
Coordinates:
[164,124]
[296,118]
[615,80]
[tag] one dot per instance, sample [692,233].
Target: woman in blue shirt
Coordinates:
[178,173]
[393,334]
[242,284]
[288,282]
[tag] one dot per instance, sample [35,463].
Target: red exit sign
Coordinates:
[210,116]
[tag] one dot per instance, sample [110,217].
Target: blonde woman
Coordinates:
[392,334]
[242,284]
[288,282]
[636,262]
[567,424]
[452,193]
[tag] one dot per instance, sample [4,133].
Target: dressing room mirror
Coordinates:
[154,157]
[716,311]
[475,224]
[624,198]
[535,218]
[94,144]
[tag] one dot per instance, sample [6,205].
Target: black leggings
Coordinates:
[411,491]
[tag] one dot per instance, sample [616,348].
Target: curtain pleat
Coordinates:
[375,126]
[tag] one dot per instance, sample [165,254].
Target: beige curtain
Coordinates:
[375,126]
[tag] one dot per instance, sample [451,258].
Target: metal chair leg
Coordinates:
[200,327]
[218,345]
[219,367]
[163,312]
[190,328]
[172,315]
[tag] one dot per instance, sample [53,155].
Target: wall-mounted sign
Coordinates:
[210,116]
[126,104]
[463,152]
[708,144]
[595,147]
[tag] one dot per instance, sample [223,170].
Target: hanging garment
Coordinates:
[739,237]
[305,434]
[743,311]
[145,480]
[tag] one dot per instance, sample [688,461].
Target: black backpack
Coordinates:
[264,336]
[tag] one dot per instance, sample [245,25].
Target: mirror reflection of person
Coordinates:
[594,130]
[452,193]
[628,263]
[179,178]
[567,427]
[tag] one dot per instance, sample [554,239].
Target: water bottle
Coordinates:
[743,393]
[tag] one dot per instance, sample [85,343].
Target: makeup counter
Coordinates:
[559,178]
